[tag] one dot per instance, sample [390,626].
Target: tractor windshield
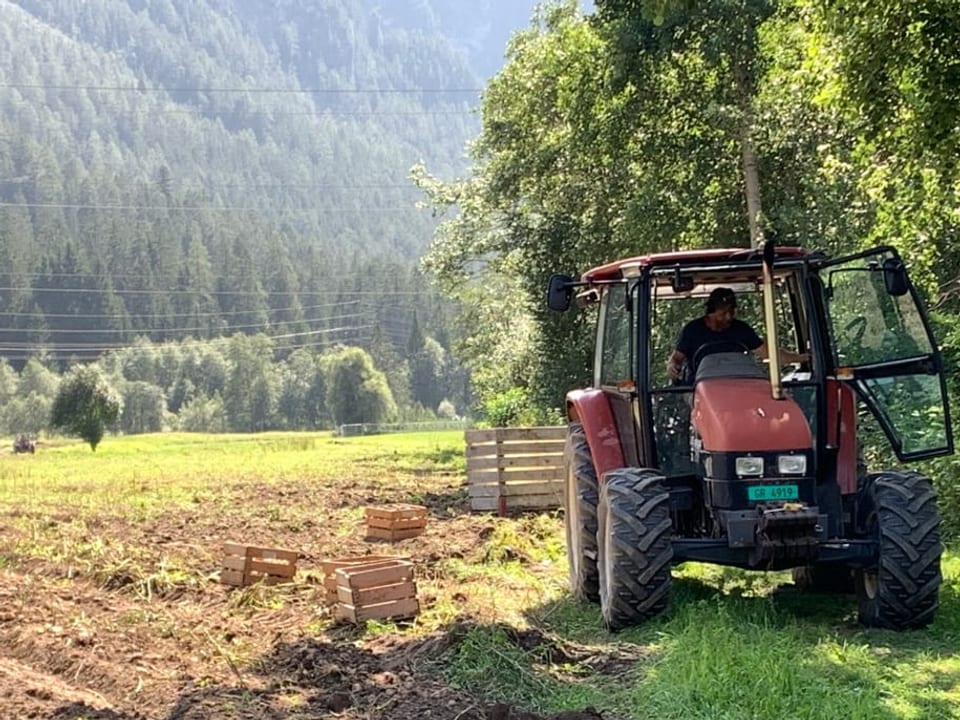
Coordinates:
[670,310]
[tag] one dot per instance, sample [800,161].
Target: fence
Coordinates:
[515,468]
[352,429]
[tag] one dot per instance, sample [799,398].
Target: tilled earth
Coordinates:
[103,641]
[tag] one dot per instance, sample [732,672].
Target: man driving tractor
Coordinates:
[718,330]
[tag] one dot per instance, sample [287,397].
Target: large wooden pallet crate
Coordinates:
[331,566]
[515,468]
[395,522]
[383,591]
[248,564]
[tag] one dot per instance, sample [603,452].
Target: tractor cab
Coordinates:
[748,460]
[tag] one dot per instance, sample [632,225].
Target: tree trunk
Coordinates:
[751,175]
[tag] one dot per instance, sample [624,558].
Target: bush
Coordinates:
[511,408]
[204,414]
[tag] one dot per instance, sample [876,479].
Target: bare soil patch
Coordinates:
[124,637]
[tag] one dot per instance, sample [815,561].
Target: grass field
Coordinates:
[108,592]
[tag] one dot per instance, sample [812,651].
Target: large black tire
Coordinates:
[580,515]
[901,591]
[635,531]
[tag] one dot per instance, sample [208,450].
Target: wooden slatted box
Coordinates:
[330,568]
[515,468]
[383,591]
[396,522]
[247,564]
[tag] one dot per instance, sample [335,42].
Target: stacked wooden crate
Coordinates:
[373,587]
[330,568]
[515,468]
[396,521]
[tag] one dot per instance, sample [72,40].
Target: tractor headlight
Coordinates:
[792,464]
[749,466]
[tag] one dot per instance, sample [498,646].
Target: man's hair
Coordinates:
[721,297]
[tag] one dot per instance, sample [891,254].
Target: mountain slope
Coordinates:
[226,161]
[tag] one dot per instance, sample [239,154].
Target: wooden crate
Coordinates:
[396,522]
[515,468]
[331,566]
[247,564]
[383,591]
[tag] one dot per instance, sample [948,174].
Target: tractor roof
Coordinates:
[717,256]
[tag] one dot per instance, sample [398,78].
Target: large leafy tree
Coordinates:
[666,124]
[85,405]
[627,133]
[356,391]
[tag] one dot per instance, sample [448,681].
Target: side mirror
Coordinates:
[895,277]
[560,292]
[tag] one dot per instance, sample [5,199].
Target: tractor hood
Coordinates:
[739,415]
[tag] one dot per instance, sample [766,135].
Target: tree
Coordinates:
[143,406]
[356,391]
[250,396]
[85,405]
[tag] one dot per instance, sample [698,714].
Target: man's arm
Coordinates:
[787,357]
[675,365]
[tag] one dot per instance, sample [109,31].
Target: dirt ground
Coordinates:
[109,644]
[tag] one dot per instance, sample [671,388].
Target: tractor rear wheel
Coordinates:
[901,591]
[635,531]
[580,515]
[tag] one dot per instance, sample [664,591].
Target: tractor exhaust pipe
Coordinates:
[770,320]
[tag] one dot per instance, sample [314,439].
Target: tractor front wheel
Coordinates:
[634,532]
[580,515]
[901,591]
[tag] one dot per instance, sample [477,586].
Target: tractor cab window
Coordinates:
[868,324]
[615,348]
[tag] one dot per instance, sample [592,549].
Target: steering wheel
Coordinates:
[855,329]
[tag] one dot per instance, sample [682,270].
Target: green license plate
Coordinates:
[764,493]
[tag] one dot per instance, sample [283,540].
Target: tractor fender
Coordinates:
[591,408]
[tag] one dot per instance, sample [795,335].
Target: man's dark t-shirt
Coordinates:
[695,335]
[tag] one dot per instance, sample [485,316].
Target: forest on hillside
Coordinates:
[174,171]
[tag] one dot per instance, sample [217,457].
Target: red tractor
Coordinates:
[753,467]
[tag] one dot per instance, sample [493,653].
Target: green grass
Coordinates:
[159,472]
[735,645]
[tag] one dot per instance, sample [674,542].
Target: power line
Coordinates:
[202,208]
[106,347]
[319,113]
[55,354]
[409,185]
[176,330]
[213,314]
[255,90]
[156,291]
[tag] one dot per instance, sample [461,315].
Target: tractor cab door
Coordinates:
[882,344]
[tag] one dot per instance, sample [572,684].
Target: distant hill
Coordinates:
[480,30]
[203,166]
